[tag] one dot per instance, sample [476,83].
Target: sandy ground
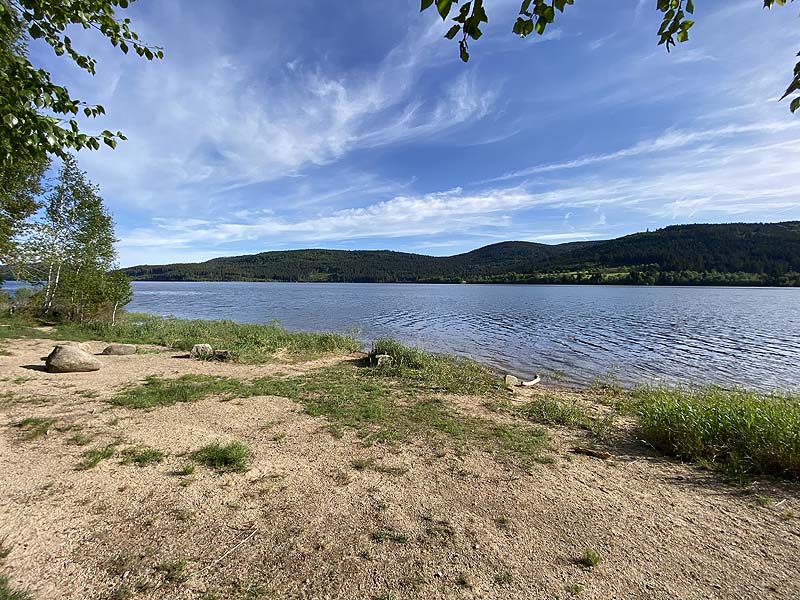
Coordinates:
[302,522]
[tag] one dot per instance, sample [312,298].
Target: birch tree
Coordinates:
[75,248]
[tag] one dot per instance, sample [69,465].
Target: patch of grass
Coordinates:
[7,592]
[172,570]
[380,409]
[438,372]
[590,558]
[249,343]
[230,457]
[35,427]
[142,456]
[80,439]
[390,535]
[93,457]
[390,470]
[188,388]
[186,469]
[361,464]
[549,410]
[742,432]
[5,548]
[504,578]
[575,589]
[21,380]
[464,580]
[502,522]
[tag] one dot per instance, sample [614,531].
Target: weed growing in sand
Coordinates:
[248,343]
[93,457]
[502,522]
[80,439]
[552,411]
[575,589]
[142,456]
[231,457]
[7,592]
[35,427]
[743,432]
[504,578]
[362,464]
[172,570]
[186,469]
[590,558]
[22,379]
[390,535]
[5,549]
[465,581]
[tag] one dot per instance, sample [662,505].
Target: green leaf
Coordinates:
[690,6]
[451,33]
[443,6]
[795,104]
[425,4]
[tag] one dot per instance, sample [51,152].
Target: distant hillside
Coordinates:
[738,253]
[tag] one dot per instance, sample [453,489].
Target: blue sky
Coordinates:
[278,125]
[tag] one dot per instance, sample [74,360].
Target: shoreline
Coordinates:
[474,496]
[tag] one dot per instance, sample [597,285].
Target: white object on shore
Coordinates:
[532,382]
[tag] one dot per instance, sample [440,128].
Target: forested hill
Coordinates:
[737,253]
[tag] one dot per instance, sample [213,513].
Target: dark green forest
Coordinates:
[730,254]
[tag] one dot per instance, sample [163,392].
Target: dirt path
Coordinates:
[302,522]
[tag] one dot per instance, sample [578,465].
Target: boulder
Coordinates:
[119,349]
[71,359]
[202,351]
[511,381]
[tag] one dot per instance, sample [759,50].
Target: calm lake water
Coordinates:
[727,336]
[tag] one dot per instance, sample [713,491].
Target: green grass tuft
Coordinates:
[231,457]
[590,558]
[142,457]
[743,432]
[9,593]
[93,457]
[35,427]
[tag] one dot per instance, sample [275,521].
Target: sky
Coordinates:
[281,125]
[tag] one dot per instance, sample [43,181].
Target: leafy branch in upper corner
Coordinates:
[536,15]
[39,116]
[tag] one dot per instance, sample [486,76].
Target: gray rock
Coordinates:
[383,359]
[119,349]
[222,355]
[511,381]
[202,351]
[71,359]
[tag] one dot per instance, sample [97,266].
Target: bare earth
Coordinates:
[303,523]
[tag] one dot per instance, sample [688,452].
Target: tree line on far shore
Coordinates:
[728,254]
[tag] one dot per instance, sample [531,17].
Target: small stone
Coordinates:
[119,349]
[511,381]
[383,359]
[222,355]
[202,351]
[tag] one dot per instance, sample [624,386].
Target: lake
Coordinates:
[726,336]
[572,334]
